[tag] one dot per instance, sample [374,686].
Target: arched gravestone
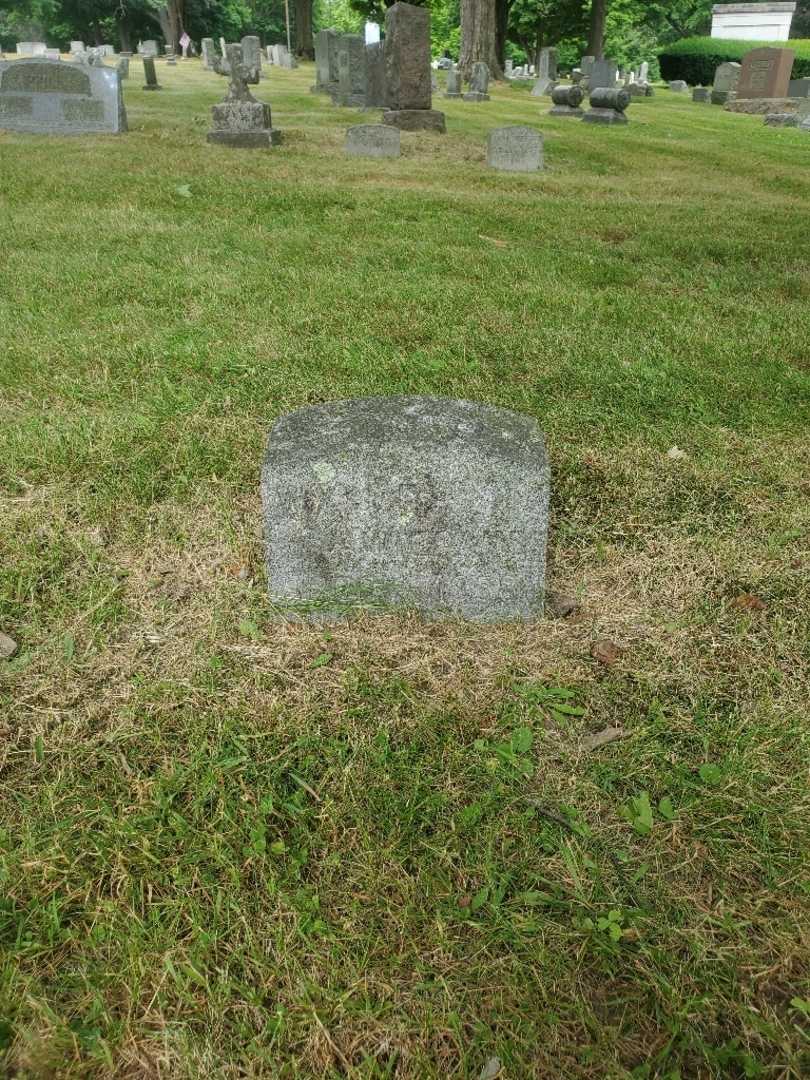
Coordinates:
[53,98]
[423,502]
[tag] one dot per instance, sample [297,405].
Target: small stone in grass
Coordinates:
[602,738]
[749,602]
[561,605]
[8,646]
[606,651]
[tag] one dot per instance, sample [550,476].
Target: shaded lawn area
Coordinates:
[233,847]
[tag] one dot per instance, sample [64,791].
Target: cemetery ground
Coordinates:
[233,846]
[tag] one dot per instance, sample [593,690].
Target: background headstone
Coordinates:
[326,71]
[407,70]
[515,149]
[546,73]
[701,94]
[453,89]
[375,75]
[150,75]
[436,504]
[765,73]
[726,77]
[678,86]
[352,81]
[603,73]
[208,52]
[479,83]
[799,88]
[373,141]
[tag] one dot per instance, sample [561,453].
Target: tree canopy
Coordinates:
[633,29]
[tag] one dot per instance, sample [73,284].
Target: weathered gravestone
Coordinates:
[430,503]
[546,73]
[326,71]
[607,106]
[150,74]
[407,70]
[208,52]
[567,101]
[240,120]
[281,56]
[148,48]
[678,86]
[603,74]
[726,77]
[799,88]
[515,149]
[52,54]
[30,49]
[51,98]
[453,88]
[765,73]
[122,67]
[375,75]
[77,46]
[508,68]
[479,83]
[643,71]
[352,84]
[251,62]
[373,141]
[701,94]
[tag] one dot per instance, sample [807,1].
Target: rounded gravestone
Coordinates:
[515,149]
[422,502]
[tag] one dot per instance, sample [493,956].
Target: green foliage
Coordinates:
[344,15]
[695,59]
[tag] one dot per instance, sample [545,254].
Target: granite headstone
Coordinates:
[515,149]
[51,98]
[373,140]
[427,503]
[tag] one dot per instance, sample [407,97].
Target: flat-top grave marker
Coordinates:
[407,70]
[765,73]
[426,502]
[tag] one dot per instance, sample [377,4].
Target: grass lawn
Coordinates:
[234,848]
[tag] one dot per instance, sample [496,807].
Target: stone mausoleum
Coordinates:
[752,22]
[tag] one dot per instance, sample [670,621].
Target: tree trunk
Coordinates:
[596,36]
[170,17]
[538,45]
[304,45]
[124,35]
[502,9]
[479,37]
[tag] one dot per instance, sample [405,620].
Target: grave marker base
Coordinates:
[415,119]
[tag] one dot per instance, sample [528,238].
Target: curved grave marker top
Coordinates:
[423,502]
[49,97]
[36,77]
